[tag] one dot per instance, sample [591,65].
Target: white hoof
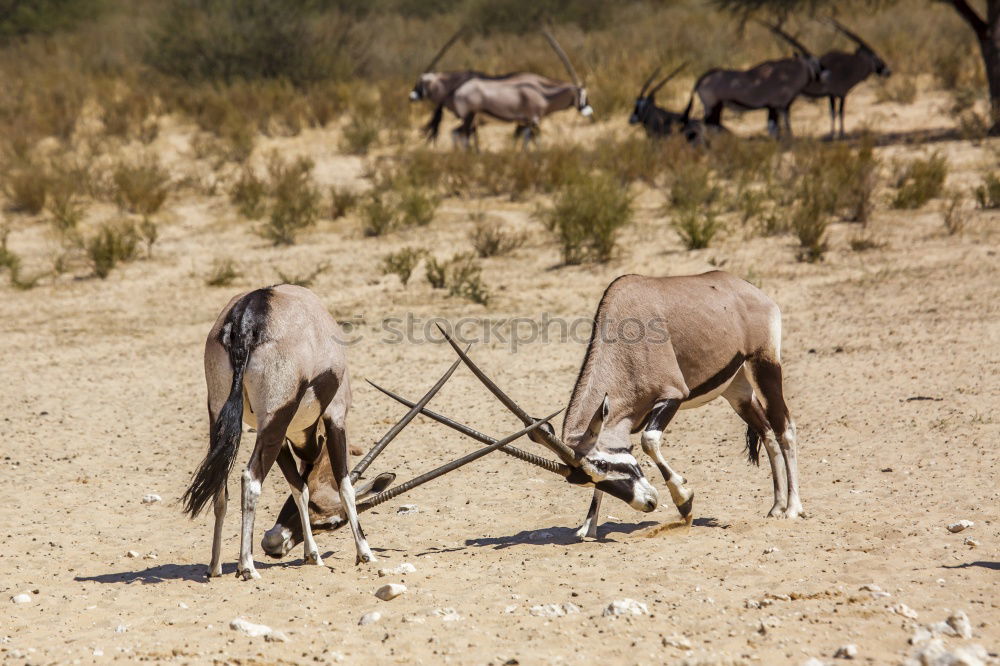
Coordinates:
[314,558]
[365,558]
[586,532]
[248,574]
[777,511]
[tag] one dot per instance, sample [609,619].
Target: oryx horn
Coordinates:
[538,461]
[656,72]
[380,445]
[565,453]
[562,55]
[788,38]
[850,35]
[387,495]
[444,49]
[668,77]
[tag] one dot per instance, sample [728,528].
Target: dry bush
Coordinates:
[864,240]
[988,193]
[64,204]
[696,226]
[342,200]
[461,276]
[295,200]
[744,160]
[417,207]
[402,263]
[920,181]
[900,89]
[489,239]
[142,186]
[305,279]
[692,187]
[113,243]
[223,273]
[26,186]
[249,195]
[586,217]
[378,216]
[955,213]
[853,175]
[361,133]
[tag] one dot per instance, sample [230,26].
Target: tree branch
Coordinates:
[966,11]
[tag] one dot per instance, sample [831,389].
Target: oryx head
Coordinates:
[582,104]
[421,90]
[647,98]
[878,64]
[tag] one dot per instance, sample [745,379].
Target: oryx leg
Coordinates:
[220,502]
[785,115]
[300,493]
[767,376]
[270,439]
[740,395]
[589,527]
[841,113]
[833,116]
[336,447]
[652,436]
[219,383]
[773,124]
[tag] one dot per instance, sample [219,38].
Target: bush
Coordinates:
[955,214]
[295,200]
[697,227]
[809,222]
[402,263]
[692,187]
[305,279]
[114,242]
[140,187]
[223,273]
[26,187]
[377,216]
[342,200]
[490,240]
[416,207]
[900,89]
[988,194]
[64,204]
[360,134]
[461,276]
[248,195]
[920,181]
[853,176]
[586,218]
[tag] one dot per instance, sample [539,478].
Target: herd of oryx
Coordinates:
[525,98]
[275,360]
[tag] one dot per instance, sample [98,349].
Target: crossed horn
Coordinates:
[562,56]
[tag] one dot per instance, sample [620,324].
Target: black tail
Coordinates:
[434,124]
[753,446]
[240,334]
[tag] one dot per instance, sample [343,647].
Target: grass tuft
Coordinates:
[140,187]
[223,273]
[587,216]
[920,181]
[402,263]
[113,243]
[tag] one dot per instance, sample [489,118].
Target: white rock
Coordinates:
[813,661]
[182,605]
[849,651]
[448,614]
[408,508]
[151,498]
[98,652]
[554,610]
[970,542]
[876,591]
[390,591]
[132,553]
[751,603]
[960,525]
[370,618]
[677,641]
[22,598]
[921,635]
[959,621]
[248,628]
[403,568]
[625,607]
[904,610]
[121,629]
[509,609]
[276,636]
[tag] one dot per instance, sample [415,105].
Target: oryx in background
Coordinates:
[771,85]
[522,98]
[659,122]
[276,360]
[844,71]
[659,345]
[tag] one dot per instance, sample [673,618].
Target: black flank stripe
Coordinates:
[718,379]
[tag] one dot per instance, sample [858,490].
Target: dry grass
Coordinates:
[461,276]
[402,263]
[490,239]
[586,217]
[223,273]
[919,181]
[141,186]
[114,242]
[295,200]
[342,201]
[955,213]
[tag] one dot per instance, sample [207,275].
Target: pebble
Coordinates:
[509,609]
[151,498]
[554,610]
[849,651]
[625,607]
[677,641]
[248,628]
[403,568]
[390,591]
[904,610]
[448,614]
[182,605]
[21,598]
[970,542]
[771,549]
[370,618]
[408,508]
[960,525]
[121,629]
[132,553]
[813,661]
[98,652]
[875,590]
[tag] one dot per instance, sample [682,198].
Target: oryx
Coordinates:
[845,70]
[276,360]
[659,122]
[659,345]
[771,85]
[522,98]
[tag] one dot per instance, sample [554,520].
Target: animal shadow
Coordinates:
[995,566]
[162,573]
[555,535]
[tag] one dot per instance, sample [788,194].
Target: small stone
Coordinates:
[920,635]
[625,607]
[98,652]
[970,542]
[509,609]
[276,636]
[960,525]
[770,549]
[22,598]
[407,508]
[121,629]
[132,553]
[403,568]
[677,641]
[849,651]
[151,498]
[813,661]
[554,610]
[390,591]
[370,618]
[751,603]
[904,610]
[959,621]
[448,614]
[248,628]
[182,605]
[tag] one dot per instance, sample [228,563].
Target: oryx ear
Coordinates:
[597,422]
[375,486]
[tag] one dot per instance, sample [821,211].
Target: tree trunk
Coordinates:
[988,35]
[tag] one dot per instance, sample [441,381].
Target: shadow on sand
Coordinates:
[556,535]
[995,566]
[195,573]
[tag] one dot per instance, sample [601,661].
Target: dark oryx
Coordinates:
[659,122]
[698,337]
[771,85]
[845,70]
[275,359]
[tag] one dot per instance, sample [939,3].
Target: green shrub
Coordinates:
[489,239]
[809,221]
[361,133]
[378,217]
[114,242]
[920,181]
[586,217]
[248,195]
[692,187]
[342,200]
[64,204]
[988,193]
[696,226]
[223,273]
[402,263]
[416,207]
[461,276]
[140,187]
[295,197]
[26,187]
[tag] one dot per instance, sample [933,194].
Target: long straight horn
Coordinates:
[656,72]
[560,469]
[788,38]
[444,49]
[380,445]
[562,56]
[375,500]
[850,35]
[565,453]
[668,77]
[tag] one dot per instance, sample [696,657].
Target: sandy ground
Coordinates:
[103,402]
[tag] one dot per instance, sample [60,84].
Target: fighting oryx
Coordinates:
[659,345]
[845,70]
[659,122]
[771,85]
[523,99]
[276,360]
